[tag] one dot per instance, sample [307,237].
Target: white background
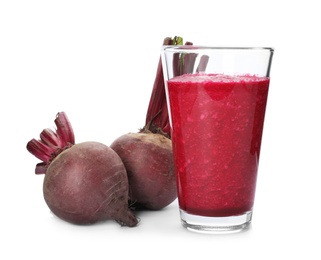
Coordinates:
[96,60]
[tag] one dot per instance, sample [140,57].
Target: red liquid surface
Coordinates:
[217,124]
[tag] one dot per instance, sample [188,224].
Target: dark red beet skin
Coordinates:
[88,183]
[148,159]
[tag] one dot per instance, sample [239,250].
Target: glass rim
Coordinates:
[204,47]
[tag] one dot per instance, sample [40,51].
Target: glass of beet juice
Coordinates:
[216,101]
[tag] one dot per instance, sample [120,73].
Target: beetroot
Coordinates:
[148,155]
[84,183]
[148,159]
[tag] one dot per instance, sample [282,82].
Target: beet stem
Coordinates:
[52,143]
[40,150]
[64,129]
[203,63]
[50,138]
[157,119]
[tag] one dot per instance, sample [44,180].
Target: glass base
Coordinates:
[222,225]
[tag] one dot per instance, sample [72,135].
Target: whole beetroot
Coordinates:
[84,183]
[148,159]
[148,155]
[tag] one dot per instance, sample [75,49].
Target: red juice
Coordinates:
[217,123]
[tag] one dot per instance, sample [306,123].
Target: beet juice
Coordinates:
[217,122]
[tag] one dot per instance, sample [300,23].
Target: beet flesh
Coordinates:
[88,183]
[148,159]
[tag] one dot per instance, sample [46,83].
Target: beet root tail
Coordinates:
[127,218]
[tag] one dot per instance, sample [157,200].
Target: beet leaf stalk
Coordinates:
[52,143]
[157,120]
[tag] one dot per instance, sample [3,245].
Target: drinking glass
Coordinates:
[217,99]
